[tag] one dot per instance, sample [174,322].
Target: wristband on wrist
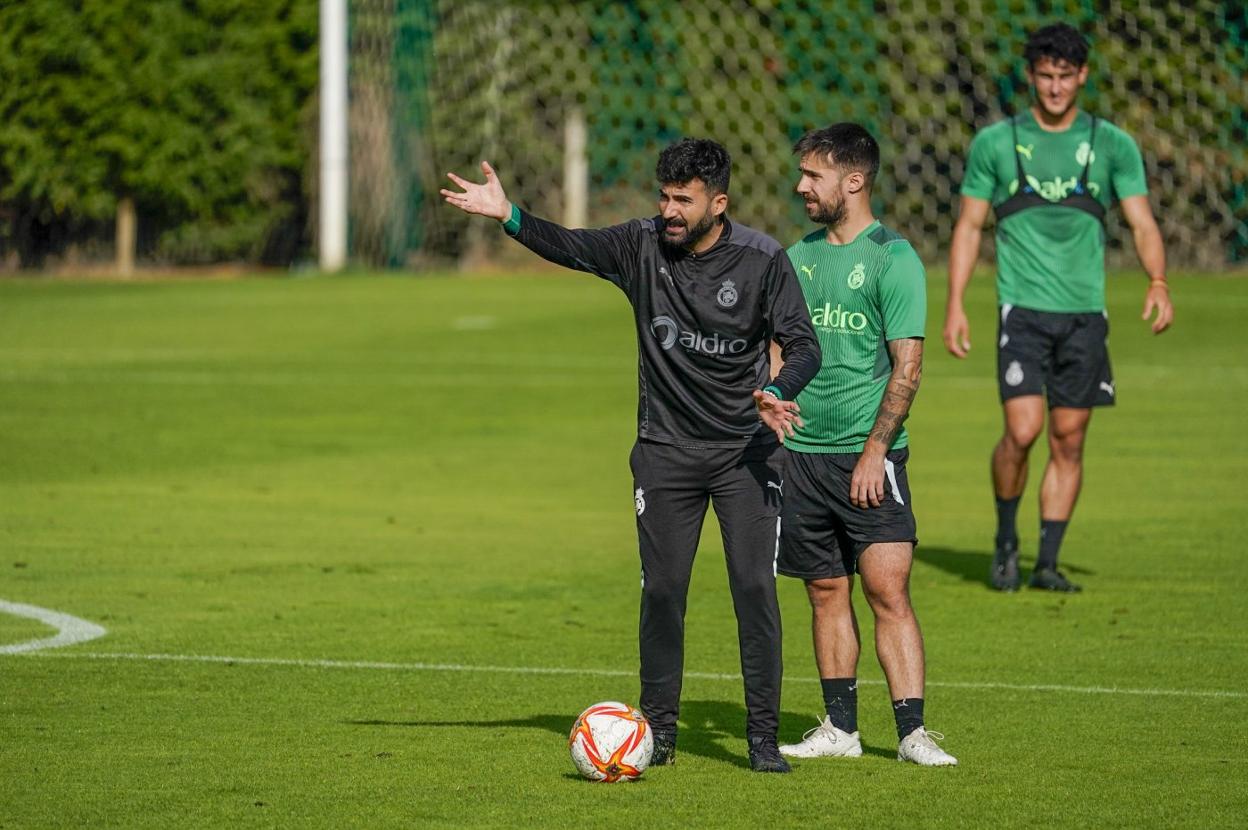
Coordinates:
[1159,281]
[512,223]
[774,391]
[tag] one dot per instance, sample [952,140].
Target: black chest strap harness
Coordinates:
[1026,196]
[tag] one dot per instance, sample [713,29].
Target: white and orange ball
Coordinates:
[611,742]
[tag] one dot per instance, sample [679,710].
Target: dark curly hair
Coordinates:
[1057,42]
[695,158]
[847,145]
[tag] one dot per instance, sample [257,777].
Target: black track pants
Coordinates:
[672,486]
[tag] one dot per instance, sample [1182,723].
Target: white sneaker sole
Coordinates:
[941,762]
[796,751]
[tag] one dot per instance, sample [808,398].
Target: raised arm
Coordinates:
[1152,253]
[963,253]
[482,199]
[606,252]
[866,488]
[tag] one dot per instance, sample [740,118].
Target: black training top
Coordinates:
[704,323]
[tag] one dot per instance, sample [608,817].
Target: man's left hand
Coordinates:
[1158,300]
[779,416]
[866,486]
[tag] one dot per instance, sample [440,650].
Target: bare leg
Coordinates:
[834,626]
[885,571]
[1063,475]
[1024,418]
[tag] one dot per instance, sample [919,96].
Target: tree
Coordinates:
[192,110]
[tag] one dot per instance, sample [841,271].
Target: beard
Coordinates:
[688,237]
[831,214]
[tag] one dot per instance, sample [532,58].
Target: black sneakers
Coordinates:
[765,755]
[1004,573]
[664,752]
[1050,579]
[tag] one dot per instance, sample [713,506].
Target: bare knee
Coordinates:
[828,595]
[1066,446]
[1020,437]
[890,603]
[1024,421]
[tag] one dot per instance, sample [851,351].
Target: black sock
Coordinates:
[908,712]
[840,699]
[1007,530]
[1050,541]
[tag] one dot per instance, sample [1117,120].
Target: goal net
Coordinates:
[572,101]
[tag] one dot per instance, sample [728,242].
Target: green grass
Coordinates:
[434,471]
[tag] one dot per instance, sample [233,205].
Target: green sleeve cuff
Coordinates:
[775,390]
[512,225]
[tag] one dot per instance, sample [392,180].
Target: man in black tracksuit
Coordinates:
[708,297]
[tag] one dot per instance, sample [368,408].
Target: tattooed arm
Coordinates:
[866,488]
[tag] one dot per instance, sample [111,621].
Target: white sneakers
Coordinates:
[920,747]
[825,741]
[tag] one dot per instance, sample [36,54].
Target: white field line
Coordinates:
[69,630]
[555,670]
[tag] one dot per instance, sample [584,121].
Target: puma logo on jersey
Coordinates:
[778,485]
[809,270]
[1026,151]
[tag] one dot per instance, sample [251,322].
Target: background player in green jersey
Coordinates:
[1050,174]
[846,498]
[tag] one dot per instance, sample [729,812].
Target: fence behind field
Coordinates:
[542,87]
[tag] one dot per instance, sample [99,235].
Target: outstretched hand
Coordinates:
[778,415]
[484,199]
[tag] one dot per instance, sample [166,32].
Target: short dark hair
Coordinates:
[1057,42]
[846,145]
[695,158]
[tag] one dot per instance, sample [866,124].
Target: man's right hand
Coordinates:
[957,332]
[484,199]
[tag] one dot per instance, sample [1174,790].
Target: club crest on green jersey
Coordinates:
[857,276]
[1084,154]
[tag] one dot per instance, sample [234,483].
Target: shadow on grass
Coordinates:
[712,729]
[974,566]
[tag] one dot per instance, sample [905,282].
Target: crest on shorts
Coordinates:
[727,296]
[639,499]
[857,276]
[1014,373]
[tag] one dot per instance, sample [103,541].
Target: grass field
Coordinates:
[364,547]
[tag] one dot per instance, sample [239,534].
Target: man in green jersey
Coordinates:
[1050,174]
[846,497]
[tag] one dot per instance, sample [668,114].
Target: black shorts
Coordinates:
[821,532]
[1063,356]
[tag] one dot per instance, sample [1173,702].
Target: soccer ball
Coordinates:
[611,742]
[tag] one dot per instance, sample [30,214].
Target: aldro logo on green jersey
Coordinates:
[839,319]
[1057,189]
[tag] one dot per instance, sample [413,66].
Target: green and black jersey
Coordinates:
[1052,258]
[861,295]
